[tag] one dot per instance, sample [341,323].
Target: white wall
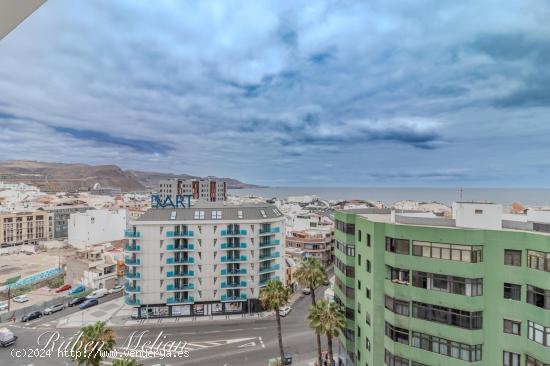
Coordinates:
[97,226]
[478,215]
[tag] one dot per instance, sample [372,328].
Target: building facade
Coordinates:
[97,226]
[59,223]
[211,258]
[18,228]
[210,190]
[314,243]
[433,291]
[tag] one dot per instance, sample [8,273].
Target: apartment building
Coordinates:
[211,258]
[17,228]
[315,243]
[210,190]
[59,223]
[421,290]
[97,226]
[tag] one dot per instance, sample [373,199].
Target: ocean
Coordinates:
[505,196]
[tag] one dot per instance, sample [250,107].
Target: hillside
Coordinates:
[54,177]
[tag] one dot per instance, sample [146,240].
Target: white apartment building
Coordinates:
[97,226]
[210,190]
[212,258]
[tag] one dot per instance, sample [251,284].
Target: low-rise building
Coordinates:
[94,267]
[18,228]
[211,258]
[315,243]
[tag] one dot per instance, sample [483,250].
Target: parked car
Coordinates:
[306,291]
[3,305]
[65,287]
[54,308]
[88,303]
[21,298]
[277,360]
[77,301]
[7,338]
[326,282]
[31,316]
[97,294]
[117,288]
[77,289]
[284,310]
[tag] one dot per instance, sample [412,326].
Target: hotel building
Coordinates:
[210,190]
[211,258]
[422,290]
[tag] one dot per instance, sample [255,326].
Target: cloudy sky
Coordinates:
[312,93]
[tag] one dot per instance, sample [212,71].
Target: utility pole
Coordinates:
[460,191]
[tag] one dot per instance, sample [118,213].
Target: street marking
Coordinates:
[261,342]
[249,344]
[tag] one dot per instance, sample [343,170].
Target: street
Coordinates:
[247,341]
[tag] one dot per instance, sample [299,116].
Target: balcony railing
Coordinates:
[270,243]
[180,274]
[182,287]
[226,259]
[241,297]
[180,300]
[229,272]
[233,246]
[132,234]
[179,234]
[271,230]
[132,248]
[181,247]
[233,284]
[273,268]
[226,232]
[269,256]
[188,260]
[129,301]
[264,282]
[130,288]
[132,262]
[132,275]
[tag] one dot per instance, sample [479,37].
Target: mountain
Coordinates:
[54,177]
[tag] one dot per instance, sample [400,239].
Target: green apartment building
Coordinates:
[419,289]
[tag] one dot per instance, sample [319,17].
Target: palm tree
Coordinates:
[311,274]
[327,318]
[126,362]
[273,296]
[97,334]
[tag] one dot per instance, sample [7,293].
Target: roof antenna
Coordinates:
[460,191]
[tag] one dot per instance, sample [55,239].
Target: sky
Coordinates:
[286,93]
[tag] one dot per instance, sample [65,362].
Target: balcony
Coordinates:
[130,288]
[270,243]
[179,234]
[264,257]
[241,297]
[274,268]
[133,302]
[233,284]
[233,246]
[181,247]
[182,287]
[268,231]
[132,234]
[132,248]
[132,262]
[188,260]
[227,259]
[232,272]
[132,275]
[264,282]
[180,274]
[180,300]
[225,232]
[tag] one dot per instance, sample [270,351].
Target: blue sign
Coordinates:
[157,202]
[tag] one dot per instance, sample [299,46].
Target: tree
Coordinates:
[273,296]
[328,319]
[311,274]
[94,342]
[126,362]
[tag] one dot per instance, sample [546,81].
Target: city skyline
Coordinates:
[285,93]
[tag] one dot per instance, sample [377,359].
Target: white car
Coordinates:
[117,288]
[53,309]
[284,310]
[21,298]
[306,291]
[97,294]
[3,305]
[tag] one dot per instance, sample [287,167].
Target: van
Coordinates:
[97,294]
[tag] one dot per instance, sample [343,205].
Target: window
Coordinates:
[530,361]
[358,332]
[538,297]
[512,327]
[216,215]
[262,212]
[240,214]
[397,306]
[368,266]
[367,293]
[368,240]
[358,235]
[359,259]
[391,360]
[397,334]
[446,347]
[454,252]
[445,315]
[358,285]
[367,343]
[512,291]
[510,359]
[398,246]
[349,271]
[478,212]
[538,260]
[539,333]
[397,275]
[512,257]
[450,284]
[344,227]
